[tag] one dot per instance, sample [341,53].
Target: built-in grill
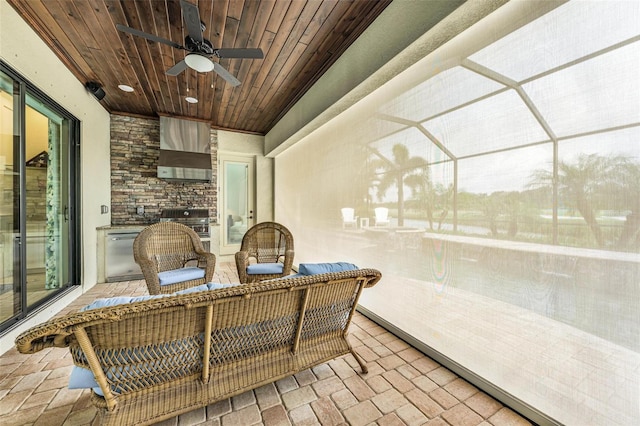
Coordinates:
[196,219]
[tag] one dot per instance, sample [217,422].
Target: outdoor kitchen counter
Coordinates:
[104,233]
[105,230]
[132,227]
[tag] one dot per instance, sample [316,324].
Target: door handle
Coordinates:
[65,214]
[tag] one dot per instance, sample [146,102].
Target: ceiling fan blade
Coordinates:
[177,68]
[191,16]
[225,74]
[240,53]
[148,36]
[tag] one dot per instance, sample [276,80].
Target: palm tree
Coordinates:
[592,181]
[625,190]
[432,199]
[491,208]
[395,171]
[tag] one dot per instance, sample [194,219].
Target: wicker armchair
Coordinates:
[174,251]
[266,252]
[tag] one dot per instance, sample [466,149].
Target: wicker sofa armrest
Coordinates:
[57,332]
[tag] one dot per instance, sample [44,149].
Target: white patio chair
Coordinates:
[382,216]
[348,217]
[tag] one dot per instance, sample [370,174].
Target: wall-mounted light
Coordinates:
[95,90]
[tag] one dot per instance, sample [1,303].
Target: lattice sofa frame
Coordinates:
[158,358]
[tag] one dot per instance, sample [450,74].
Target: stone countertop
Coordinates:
[123,227]
[134,226]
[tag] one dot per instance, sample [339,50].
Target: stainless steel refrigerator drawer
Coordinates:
[119,264]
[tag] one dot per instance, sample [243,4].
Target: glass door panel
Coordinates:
[237,201]
[45,201]
[10,295]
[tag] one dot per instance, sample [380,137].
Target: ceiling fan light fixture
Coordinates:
[198,62]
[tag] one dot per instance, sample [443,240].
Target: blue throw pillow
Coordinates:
[322,268]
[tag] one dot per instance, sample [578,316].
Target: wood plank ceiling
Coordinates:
[300,40]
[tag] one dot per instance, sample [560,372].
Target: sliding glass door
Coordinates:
[37,162]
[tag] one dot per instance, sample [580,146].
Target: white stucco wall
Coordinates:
[27,54]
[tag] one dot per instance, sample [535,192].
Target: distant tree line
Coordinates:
[591,184]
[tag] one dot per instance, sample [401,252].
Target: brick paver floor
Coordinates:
[403,386]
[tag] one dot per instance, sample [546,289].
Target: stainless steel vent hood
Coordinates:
[185,150]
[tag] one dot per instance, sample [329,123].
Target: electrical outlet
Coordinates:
[140,210]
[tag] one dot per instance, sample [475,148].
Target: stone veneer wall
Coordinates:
[135,146]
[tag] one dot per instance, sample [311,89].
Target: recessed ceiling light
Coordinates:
[191,100]
[125,88]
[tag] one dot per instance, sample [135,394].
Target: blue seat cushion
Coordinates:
[120,300]
[180,275]
[322,268]
[265,268]
[82,378]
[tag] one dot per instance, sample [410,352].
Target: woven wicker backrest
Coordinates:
[169,245]
[267,242]
[144,361]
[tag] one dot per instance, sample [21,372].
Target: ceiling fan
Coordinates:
[200,49]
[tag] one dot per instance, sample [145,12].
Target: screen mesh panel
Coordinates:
[511,178]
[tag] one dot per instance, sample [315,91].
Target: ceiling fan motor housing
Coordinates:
[205,47]
[200,49]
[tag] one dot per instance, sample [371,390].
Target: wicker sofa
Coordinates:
[155,358]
